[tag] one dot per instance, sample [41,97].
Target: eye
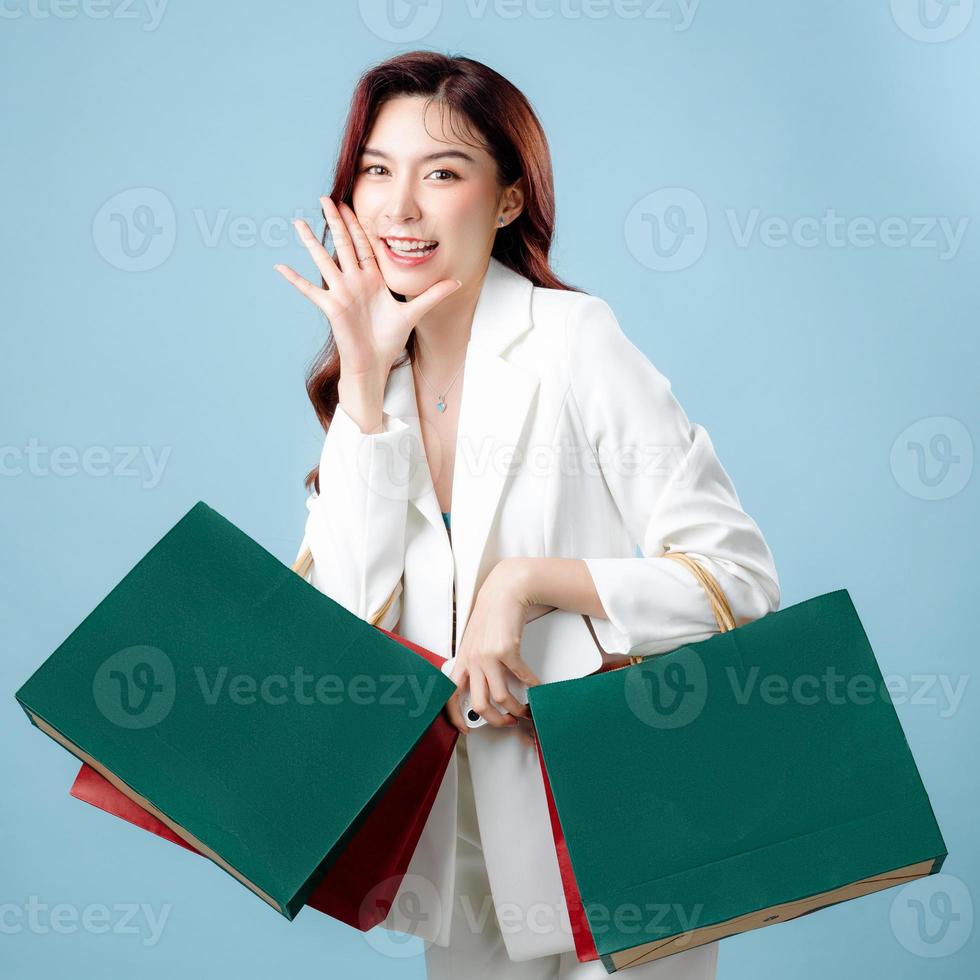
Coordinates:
[378,167]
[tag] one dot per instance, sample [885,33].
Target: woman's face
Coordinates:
[414,184]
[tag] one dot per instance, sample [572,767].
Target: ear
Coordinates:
[512,200]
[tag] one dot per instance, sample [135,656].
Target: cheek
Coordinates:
[467,211]
[366,209]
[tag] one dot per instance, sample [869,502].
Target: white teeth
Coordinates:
[409,247]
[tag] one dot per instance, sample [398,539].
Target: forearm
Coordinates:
[362,398]
[560,583]
[356,524]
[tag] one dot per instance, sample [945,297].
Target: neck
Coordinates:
[444,333]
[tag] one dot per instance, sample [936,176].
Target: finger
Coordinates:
[322,259]
[481,702]
[417,308]
[341,236]
[313,293]
[520,669]
[459,675]
[363,246]
[501,693]
[455,714]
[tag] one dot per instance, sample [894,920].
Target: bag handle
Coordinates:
[716,597]
[304,563]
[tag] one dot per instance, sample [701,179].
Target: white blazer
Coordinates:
[571,445]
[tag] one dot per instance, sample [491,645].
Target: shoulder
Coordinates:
[569,317]
[552,308]
[561,317]
[587,332]
[613,385]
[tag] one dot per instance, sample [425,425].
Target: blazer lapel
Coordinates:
[497,398]
[400,402]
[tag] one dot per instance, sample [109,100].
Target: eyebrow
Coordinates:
[441,155]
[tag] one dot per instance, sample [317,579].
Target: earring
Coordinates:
[500,220]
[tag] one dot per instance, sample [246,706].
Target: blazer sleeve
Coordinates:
[355,526]
[672,492]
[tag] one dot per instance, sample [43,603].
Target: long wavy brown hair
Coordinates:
[490,107]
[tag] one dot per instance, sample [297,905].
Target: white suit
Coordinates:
[570,445]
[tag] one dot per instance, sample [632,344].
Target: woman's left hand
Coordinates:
[490,650]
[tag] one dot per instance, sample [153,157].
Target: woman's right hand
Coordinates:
[370,327]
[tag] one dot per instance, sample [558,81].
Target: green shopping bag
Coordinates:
[749,779]
[257,719]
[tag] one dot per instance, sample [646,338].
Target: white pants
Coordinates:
[476,949]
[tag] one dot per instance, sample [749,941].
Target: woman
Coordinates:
[495,448]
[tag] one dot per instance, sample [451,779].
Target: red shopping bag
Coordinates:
[585,948]
[361,884]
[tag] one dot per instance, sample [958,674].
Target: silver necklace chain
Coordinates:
[440,399]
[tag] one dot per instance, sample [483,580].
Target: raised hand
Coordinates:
[370,327]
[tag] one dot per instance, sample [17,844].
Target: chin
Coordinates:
[412,280]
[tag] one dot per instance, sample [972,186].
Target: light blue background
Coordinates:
[806,365]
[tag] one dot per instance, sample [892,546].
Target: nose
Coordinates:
[401,206]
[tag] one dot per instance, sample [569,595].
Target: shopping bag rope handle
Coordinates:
[719,604]
[716,598]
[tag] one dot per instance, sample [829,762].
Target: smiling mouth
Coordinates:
[411,246]
[409,253]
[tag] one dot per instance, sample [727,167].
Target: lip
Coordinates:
[405,260]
